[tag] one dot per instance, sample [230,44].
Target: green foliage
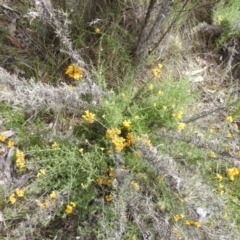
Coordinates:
[226,14]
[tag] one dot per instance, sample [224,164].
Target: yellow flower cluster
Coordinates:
[212,154]
[178,115]
[41,172]
[178,216]
[229,135]
[219,177]
[70,207]
[113,132]
[193,223]
[111,172]
[53,195]
[109,197]
[157,71]
[88,116]
[220,19]
[232,172]
[229,119]
[47,202]
[150,87]
[181,126]
[97,30]
[10,143]
[126,124]
[226,147]
[135,185]
[2,137]
[20,160]
[73,71]
[55,145]
[129,139]
[120,142]
[18,193]
[107,180]
[81,150]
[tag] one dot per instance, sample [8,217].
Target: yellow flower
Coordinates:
[126,124]
[226,147]
[181,126]
[112,133]
[88,116]
[219,177]
[2,137]
[20,161]
[55,145]
[97,30]
[238,153]
[211,130]
[232,172]
[100,180]
[53,195]
[135,185]
[119,143]
[229,135]
[111,172]
[41,172]
[197,224]
[160,93]
[68,209]
[129,139]
[220,18]
[81,150]
[19,192]
[156,72]
[109,197]
[154,104]
[188,222]
[19,154]
[10,143]
[212,154]
[122,95]
[178,115]
[73,71]
[73,204]
[176,217]
[164,108]
[150,87]
[229,119]
[160,66]
[12,198]
[220,186]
